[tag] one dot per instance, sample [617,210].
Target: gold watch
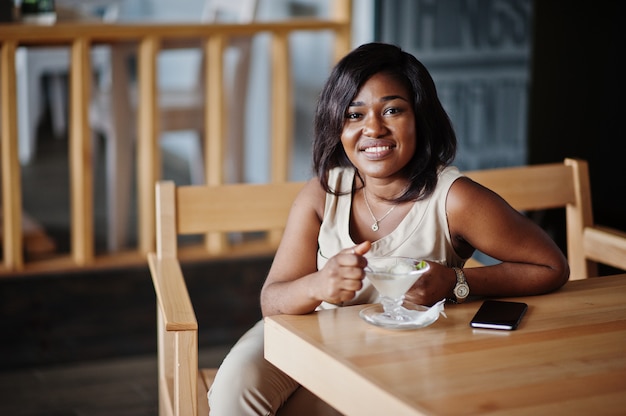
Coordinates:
[461,290]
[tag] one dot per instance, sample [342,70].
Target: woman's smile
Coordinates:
[377,149]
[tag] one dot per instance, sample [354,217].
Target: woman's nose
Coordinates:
[374,126]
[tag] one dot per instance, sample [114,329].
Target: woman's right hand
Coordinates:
[342,276]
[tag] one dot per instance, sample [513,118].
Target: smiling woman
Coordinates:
[411,82]
[382,150]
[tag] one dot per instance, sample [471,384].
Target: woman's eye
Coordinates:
[392,110]
[353,116]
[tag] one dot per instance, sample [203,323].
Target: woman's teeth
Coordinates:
[377,149]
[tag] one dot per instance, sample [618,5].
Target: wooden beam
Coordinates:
[12,235]
[81,155]
[148,149]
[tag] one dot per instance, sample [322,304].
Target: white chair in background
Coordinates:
[33,63]
[113,115]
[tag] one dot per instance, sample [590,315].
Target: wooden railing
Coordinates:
[80,37]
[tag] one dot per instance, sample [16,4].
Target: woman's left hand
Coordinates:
[434,285]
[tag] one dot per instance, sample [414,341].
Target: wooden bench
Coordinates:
[241,208]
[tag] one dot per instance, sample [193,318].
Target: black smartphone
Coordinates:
[498,314]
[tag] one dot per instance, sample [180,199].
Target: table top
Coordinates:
[567,356]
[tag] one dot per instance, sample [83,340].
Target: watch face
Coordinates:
[461,291]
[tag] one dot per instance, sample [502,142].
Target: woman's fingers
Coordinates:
[354,256]
[362,248]
[348,274]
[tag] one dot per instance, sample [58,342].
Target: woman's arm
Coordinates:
[294,285]
[531,263]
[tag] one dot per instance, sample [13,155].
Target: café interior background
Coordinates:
[524,82]
[504,70]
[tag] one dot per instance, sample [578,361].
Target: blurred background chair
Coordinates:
[181,107]
[33,64]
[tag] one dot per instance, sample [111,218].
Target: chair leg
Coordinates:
[196,162]
[119,153]
[58,105]
[119,178]
[29,108]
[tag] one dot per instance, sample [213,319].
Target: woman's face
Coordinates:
[379,128]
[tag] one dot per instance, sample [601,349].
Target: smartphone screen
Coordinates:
[498,314]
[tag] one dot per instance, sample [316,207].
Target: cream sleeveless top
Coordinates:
[422,234]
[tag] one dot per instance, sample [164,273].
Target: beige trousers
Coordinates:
[247,384]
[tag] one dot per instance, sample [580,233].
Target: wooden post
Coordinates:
[81,157]
[214,110]
[282,115]
[342,12]
[148,150]
[215,127]
[282,108]
[186,373]
[579,216]
[12,235]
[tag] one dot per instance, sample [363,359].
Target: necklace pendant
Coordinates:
[375,226]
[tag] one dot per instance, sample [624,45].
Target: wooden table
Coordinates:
[568,356]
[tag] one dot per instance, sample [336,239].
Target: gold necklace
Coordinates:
[376,221]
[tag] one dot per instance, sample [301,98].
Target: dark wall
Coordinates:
[68,317]
[578,99]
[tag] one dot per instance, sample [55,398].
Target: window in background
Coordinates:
[478,54]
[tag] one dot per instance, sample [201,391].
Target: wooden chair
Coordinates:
[190,210]
[244,207]
[561,185]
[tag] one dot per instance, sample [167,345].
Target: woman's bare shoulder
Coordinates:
[312,197]
[466,194]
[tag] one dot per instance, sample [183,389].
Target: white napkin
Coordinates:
[429,315]
[418,318]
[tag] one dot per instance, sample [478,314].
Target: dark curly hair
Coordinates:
[434,131]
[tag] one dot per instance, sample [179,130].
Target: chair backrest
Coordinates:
[229,208]
[200,210]
[561,185]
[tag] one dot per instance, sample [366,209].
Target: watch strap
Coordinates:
[461,289]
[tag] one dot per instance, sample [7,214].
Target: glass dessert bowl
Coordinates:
[393,277]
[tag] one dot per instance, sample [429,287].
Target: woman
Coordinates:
[384,186]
